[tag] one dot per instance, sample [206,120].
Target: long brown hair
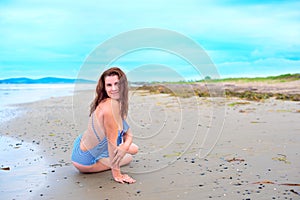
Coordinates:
[101,93]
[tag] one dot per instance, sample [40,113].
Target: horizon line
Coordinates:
[149,81]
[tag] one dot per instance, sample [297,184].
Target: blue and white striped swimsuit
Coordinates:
[91,156]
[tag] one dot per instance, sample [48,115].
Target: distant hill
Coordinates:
[46,80]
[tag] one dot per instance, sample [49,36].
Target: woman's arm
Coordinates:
[123,148]
[116,154]
[127,139]
[111,132]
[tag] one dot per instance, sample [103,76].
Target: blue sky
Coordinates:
[242,38]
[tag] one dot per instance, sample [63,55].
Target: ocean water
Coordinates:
[24,177]
[12,94]
[25,167]
[22,93]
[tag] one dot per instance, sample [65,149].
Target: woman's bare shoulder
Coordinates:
[107,106]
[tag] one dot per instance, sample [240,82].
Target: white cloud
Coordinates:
[230,31]
[258,68]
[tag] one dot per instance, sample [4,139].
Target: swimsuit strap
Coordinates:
[95,129]
[122,132]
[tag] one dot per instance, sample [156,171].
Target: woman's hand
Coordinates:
[124,178]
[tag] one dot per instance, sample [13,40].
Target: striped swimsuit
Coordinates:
[91,156]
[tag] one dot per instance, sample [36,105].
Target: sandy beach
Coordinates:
[190,148]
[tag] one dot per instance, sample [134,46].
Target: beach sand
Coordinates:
[190,148]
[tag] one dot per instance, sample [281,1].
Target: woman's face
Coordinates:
[112,86]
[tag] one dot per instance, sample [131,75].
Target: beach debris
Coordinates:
[264,182]
[238,103]
[79,184]
[271,182]
[282,158]
[290,184]
[237,184]
[176,154]
[295,192]
[18,145]
[257,122]
[282,111]
[55,165]
[57,121]
[5,168]
[235,160]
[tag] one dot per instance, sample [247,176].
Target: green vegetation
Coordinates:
[208,79]
[184,92]
[271,79]
[191,88]
[256,96]
[238,103]
[188,92]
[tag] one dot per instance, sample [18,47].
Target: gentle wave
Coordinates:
[12,94]
[24,93]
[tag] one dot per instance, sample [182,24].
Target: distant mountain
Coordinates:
[46,80]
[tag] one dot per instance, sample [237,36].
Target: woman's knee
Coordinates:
[133,149]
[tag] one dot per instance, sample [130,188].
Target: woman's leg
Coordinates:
[133,149]
[104,163]
[97,167]
[101,165]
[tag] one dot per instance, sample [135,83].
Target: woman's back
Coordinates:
[95,132]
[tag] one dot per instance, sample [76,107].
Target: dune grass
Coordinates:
[182,89]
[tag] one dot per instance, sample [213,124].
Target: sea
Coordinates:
[20,163]
[13,94]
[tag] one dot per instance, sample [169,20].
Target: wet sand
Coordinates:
[190,148]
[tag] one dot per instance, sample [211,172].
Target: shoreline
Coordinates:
[250,149]
[15,169]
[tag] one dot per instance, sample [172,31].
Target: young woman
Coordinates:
[107,142]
